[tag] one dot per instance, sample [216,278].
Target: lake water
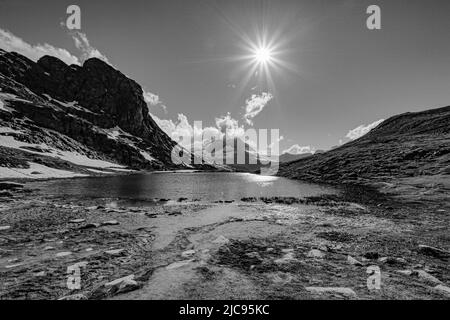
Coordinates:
[192,185]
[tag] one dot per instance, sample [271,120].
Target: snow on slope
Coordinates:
[73,157]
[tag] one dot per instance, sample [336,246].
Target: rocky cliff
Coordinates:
[93,111]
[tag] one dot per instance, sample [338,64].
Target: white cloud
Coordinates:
[182,128]
[87,51]
[226,124]
[10,42]
[362,130]
[296,149]
[255,105]
[153,100]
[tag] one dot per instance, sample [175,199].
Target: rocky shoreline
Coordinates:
[250,248]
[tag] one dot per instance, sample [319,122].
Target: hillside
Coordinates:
[75,117]
[410,146]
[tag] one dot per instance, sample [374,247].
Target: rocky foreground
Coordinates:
[269,248]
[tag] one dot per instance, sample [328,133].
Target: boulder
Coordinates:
[440,288]
[179,264]
[63,254]
[114,252]
[188,253]
[432,251]
[221,240]
[77,296]
[353,261]
[347,292]
[314,253]
[427,277]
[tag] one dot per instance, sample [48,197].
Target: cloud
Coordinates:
[226,124]
[10,42]
[87,51]
[255,105]
[296,149]
[182,128]
[362,130]
[153,100]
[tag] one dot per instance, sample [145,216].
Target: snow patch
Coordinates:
[146,155]
[39,172]
[99,171]
[70,156]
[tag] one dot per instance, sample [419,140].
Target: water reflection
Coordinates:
[204,186]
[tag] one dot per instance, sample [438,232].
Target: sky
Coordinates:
[331,78]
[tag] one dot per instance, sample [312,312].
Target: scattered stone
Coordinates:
[287,258]
[254,255]
[372,255]
[77,220]
[115,252]
[280,277]
[110,223]
[90,226]
[175,213]
[314,253]
[47,248]
[13,265]
[392,261]
[13,260]
[270,249]
[40,274]
[353,261]
[442,289]
[77,296]
[221,240]
[405,272]
[118,281]
[89,249]
[3,228]
[426,277]
[188,253]
[121,285]
[63,254]
[347,292]
[287,250]
[179,264]
[432,251]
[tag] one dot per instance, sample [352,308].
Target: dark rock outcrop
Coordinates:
[84,103]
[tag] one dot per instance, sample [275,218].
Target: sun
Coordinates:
[263,55]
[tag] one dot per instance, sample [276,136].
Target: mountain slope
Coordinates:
[289,157]
[92,111]
[248,161]
[404,146]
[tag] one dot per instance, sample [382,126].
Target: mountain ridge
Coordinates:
[94,104]
[408,145]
